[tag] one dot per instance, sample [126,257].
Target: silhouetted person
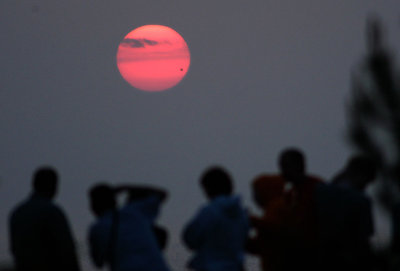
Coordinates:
[300,223]
[359,172]
[39,232]
[218,232]
[135,194]
[345,217]
[267,241]
[126,238]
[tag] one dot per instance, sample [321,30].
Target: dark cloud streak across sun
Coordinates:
[138,43]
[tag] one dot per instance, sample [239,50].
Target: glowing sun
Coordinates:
[153,58]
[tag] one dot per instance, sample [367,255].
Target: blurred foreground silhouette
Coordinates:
[127,238]
[286,234]
[374,110]
[310,224]
[40,237]
[218,232]
[267,242]
[345,222]
[374,127]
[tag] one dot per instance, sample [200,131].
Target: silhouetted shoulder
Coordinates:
[36,207]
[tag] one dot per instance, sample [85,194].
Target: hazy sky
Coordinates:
[264,75]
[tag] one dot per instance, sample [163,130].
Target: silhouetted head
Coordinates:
[102,199]
[360,171]
[292,165]
[216,182]
[45,182]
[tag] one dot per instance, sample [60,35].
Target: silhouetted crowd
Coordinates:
[306,223]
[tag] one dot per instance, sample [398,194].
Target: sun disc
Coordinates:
[153,58]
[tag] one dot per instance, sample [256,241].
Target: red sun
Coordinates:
[153,58]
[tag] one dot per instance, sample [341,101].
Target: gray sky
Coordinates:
[264,75]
